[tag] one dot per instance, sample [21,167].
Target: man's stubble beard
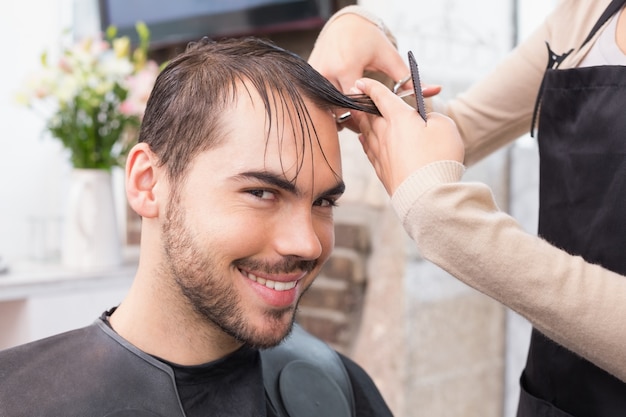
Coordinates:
[194,273]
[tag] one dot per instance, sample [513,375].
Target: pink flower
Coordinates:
[139,89]
[65,65]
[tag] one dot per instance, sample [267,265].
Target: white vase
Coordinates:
[90,232]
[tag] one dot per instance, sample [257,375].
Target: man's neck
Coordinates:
[167,328]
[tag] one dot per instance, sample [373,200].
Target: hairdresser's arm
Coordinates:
[459,227]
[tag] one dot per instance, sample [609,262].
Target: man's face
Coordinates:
[244,239]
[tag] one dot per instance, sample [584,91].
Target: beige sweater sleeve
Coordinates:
[458,226]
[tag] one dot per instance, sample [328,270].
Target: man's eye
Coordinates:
[325,202]
[263,194]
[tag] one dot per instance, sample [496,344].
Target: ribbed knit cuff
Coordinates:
[422,180]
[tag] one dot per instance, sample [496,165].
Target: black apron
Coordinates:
[582,209]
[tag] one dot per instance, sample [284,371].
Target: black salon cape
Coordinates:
[93,372]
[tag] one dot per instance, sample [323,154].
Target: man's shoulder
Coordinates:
[27,356]
[88,371]
[368,400]
[42,370]
[334,384]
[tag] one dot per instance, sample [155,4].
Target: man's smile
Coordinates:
[272,284]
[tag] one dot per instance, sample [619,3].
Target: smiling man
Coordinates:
[235,177]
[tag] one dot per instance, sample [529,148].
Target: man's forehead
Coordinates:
[295,145]
[283,115]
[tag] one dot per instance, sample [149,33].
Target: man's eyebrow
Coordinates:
[336,190]
[280,182]
[270,178]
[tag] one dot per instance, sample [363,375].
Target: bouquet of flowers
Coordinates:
[94,96]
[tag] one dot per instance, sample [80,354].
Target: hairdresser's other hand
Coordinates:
[351,45]
[400,142]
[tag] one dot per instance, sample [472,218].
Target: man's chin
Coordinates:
[270,336]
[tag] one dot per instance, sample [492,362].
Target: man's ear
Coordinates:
[141,181]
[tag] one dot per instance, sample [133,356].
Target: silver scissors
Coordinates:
[416,91]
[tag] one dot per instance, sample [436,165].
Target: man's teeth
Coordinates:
[275,285]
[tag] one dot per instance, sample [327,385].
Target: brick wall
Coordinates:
[331,309]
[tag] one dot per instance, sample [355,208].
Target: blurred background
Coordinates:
[434,346]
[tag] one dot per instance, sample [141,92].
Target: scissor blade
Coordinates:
[406,93]
[417,86]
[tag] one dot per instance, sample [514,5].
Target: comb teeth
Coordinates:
[417,86]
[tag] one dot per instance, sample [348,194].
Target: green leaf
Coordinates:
[143,32]
[111,32]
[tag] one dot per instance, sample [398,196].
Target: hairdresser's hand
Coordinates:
[400,142]
[351,45]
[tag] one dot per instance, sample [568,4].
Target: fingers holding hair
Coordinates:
[352,44]
[399,142]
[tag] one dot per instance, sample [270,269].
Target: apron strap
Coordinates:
[555,60]
[610,11]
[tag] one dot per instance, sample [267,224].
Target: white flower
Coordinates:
[96,92]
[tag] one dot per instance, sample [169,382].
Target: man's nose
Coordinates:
[296,235]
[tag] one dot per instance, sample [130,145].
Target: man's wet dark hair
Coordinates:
[185,108]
